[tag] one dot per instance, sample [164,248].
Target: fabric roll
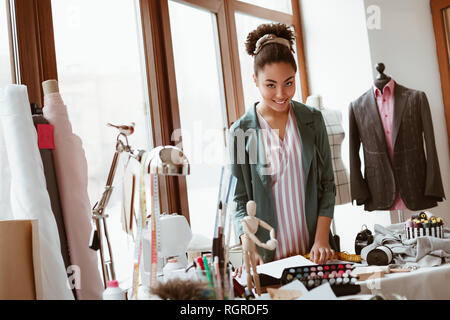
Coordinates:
[53,190]
[5,175]
[72,175]
[28,193]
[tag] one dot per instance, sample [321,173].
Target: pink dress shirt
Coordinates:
[287,179]
[385,103]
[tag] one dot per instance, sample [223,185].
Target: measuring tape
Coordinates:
[155,230]
[154,227]
[140,225]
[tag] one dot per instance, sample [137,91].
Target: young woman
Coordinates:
[281,156]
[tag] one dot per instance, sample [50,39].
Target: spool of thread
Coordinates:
[416,228]
[420,229]
[433,228]
[380,256]
[439,227]
[426,226]
[410,227]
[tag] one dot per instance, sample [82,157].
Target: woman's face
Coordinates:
[276,83]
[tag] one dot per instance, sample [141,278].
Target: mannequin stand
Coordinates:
[400,216]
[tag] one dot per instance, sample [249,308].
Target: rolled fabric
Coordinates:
[28,192]
[52,188]
[72,175]
[5,176]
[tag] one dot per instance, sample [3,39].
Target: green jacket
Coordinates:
[248,166]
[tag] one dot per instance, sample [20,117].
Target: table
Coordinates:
[427,283]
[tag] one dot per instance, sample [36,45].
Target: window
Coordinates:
[101,80]
[165,65]
[201,107]
[5,60]
[278,5]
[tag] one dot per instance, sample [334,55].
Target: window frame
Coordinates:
[36,54]
[437,6]
[35,46]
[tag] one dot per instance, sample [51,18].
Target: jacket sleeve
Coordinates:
[327,196]
[358,185]
[433,184]
[237,158]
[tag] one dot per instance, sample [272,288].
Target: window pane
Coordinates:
[244,25]
[5,61]
[279,5]
[101,80]
[202,109]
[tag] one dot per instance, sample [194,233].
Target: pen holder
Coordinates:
[220,285]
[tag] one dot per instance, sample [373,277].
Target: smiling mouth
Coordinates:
[280,102]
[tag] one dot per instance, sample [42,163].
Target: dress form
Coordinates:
[380,82]
[336,134]
[382,79]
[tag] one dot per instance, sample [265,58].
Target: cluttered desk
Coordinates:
[391,267]
[408,260]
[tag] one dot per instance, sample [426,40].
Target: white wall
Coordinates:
[340,69]
[405,43]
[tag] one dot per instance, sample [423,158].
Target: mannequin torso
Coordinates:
[336,134]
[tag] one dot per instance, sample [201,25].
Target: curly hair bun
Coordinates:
[278,29]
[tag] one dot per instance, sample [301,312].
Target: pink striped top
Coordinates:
[287,178]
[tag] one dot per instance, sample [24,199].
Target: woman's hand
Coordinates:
[321,252]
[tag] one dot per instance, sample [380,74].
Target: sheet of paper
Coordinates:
[242,279]
[323,292]
[275,268]
[295,285]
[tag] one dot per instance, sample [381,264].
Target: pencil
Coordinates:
[208,274]
[219,280]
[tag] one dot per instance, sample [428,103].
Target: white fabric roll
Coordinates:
[5,176]
[28,191]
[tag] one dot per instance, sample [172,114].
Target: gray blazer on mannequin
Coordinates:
[416,174]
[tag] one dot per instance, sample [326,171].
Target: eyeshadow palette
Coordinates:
[337,275]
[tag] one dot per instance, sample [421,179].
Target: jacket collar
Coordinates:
[400,99]
[305,122]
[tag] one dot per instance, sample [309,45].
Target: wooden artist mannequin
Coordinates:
[50,86]
[250,225]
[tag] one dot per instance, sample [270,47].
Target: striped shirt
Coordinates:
[287,179]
